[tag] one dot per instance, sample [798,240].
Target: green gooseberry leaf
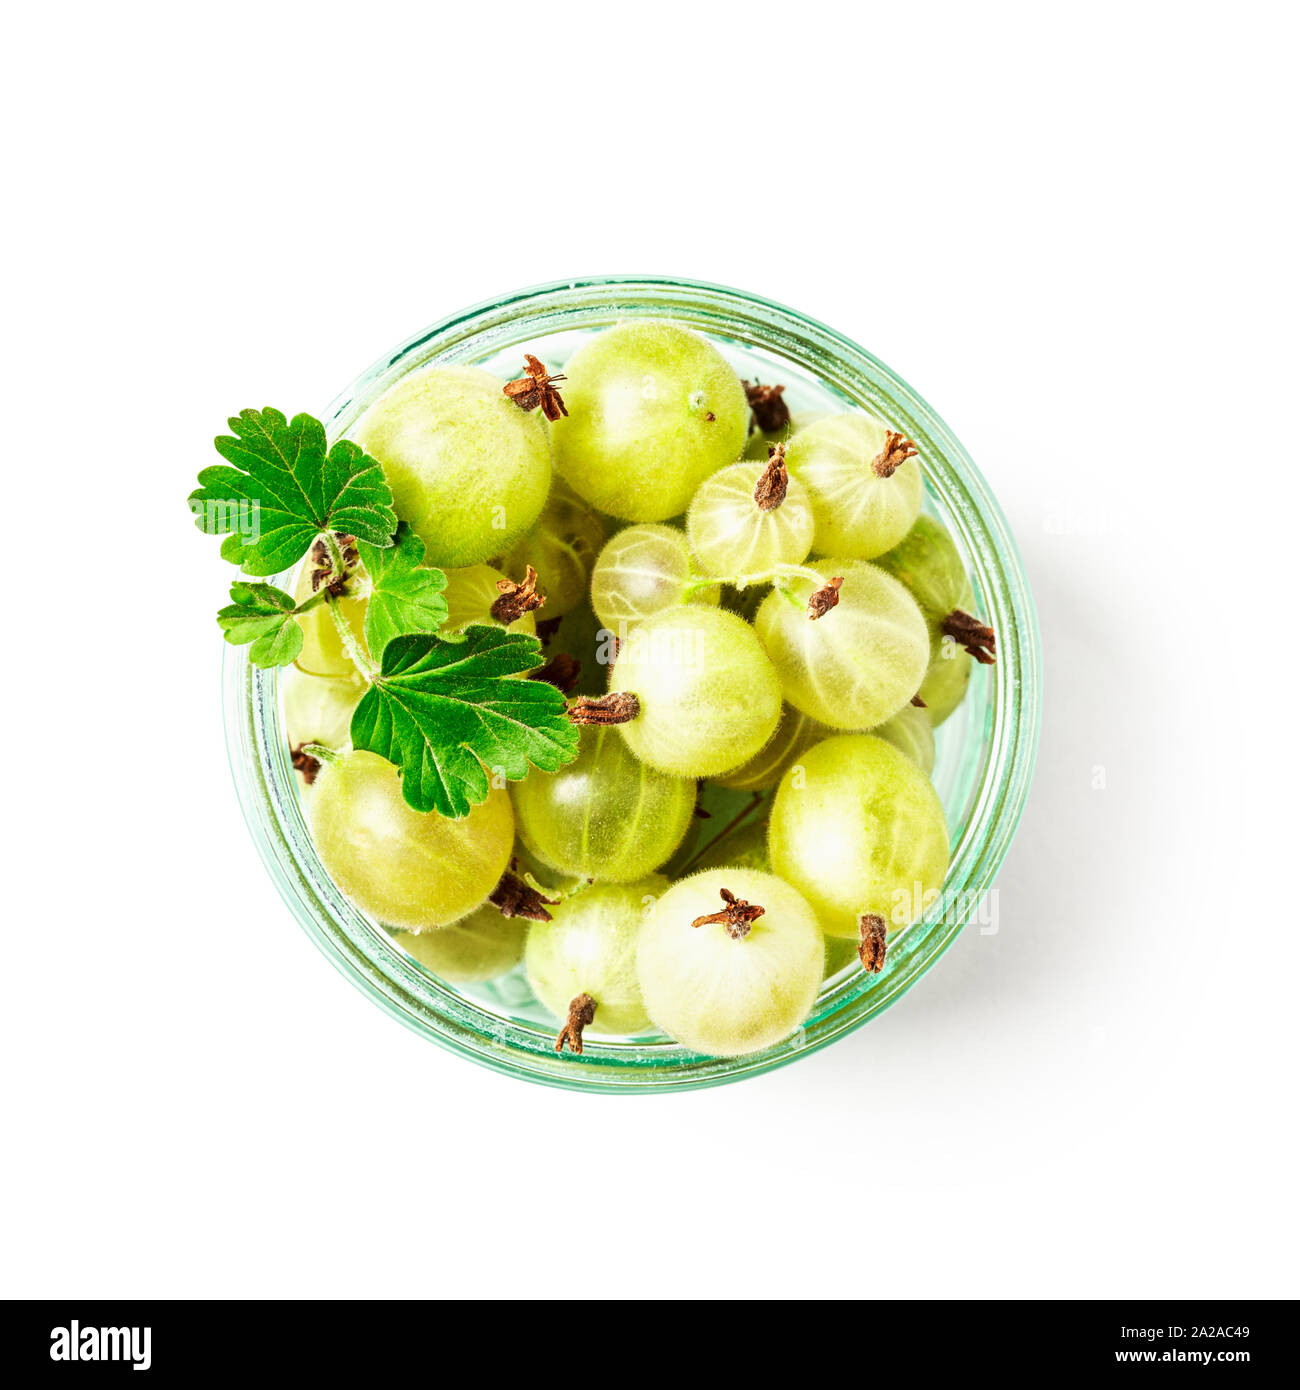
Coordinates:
[452,714]
[262,615]
[281,487]
[404,599]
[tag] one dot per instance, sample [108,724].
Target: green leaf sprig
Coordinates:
[451,713]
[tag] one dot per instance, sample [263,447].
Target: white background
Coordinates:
[1071,227]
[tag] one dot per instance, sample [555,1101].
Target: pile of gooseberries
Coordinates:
[736,604]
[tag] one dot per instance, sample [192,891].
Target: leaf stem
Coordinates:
[320,752]
[696,584]
[743,581]
[756,800]
[339,571]
[314,601]
[354,649]
[780,572]
[339,566]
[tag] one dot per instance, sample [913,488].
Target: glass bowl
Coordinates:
[985,751]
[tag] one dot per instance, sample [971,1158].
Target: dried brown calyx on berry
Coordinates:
[536,387]
[561,671]
[619,707]
[517,599]
[896,452]
[976,637]
[304,762]
[513,897]
[768,410]
[872,934]
[918,702]
[322,563]
[582,1009]
[825,598]
[737,916]
[770,490]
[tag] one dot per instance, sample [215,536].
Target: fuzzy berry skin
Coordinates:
[730,535]
[469,470]
[709,697]
[653,411]
[857,828]
[722,995]
[859,515]
[605,815]
[929,565]
[589,947]
[641,571]
[470,594]
[861,661]
[478,947]
[562,548]
[404,868]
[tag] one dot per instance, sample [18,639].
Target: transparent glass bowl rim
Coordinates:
[366,956]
